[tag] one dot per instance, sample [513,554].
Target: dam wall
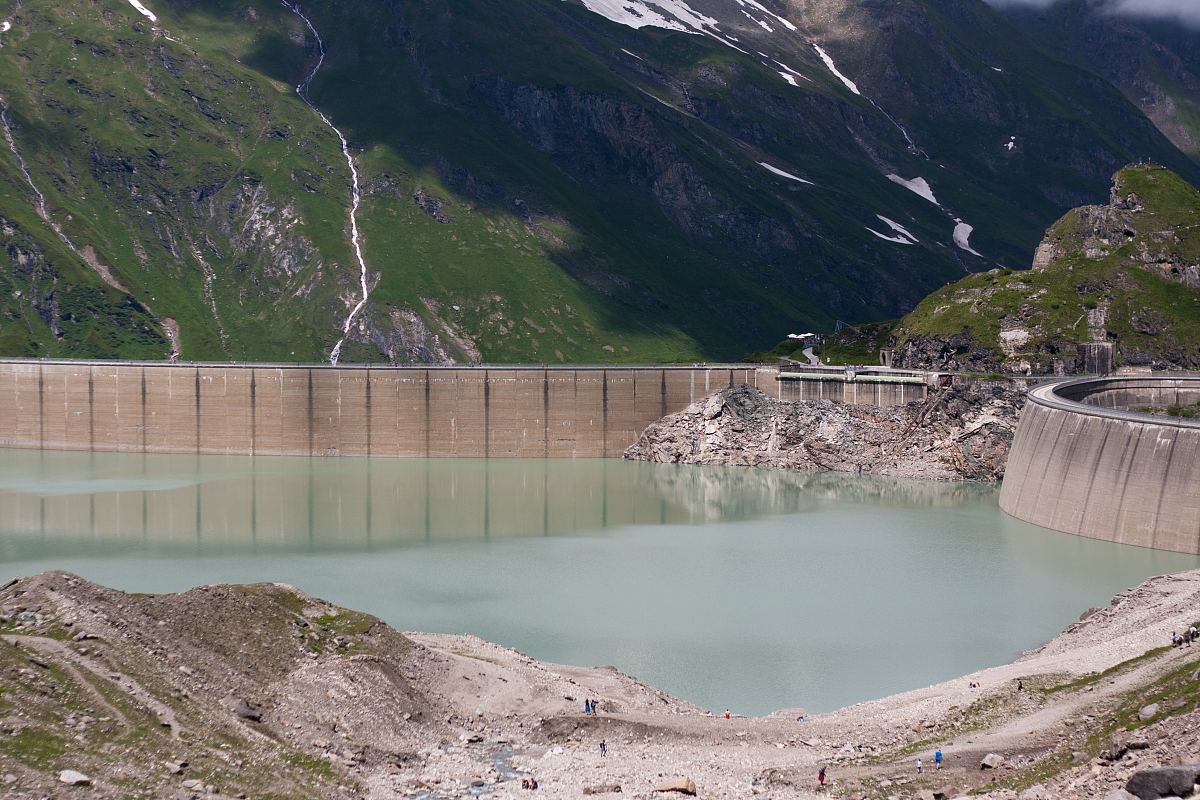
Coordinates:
[1087,459]
[225,409]
[874,386]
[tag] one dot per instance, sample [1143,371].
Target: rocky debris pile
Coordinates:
[961,432]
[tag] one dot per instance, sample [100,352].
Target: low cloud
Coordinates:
[1185,11]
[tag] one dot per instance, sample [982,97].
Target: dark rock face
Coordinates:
[958,433]
[958,353]
[1152,784]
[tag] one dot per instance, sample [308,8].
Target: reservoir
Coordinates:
[750,589]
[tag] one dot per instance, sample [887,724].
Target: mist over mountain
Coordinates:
[1184,11]
[537,180]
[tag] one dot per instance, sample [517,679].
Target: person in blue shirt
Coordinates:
[937,760]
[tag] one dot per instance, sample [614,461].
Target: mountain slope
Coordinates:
[539,182]
[1125,275]
[1156,64]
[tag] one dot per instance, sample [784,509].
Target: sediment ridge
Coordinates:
[960,432]
[263,691]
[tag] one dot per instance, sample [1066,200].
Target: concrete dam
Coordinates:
[1088,459]
[259,409]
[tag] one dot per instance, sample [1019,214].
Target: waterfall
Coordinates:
[355,196]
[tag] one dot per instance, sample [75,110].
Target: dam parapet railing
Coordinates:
[1088,459]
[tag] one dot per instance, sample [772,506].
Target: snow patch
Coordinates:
[788,78]
[851,85]
[5,26]
[1011,143]
[962,237]
[145,12]
[674,15]
[791,71]
[918,185]
[764,25]
[769,12]
[896,227]
[783,174]
[635,55]
[886,238]
[997,69]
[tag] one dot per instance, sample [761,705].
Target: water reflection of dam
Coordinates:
[242,503]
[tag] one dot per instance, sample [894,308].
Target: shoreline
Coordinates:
[381,714]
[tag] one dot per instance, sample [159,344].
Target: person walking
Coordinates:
[937,759]
[919,765]
[727,713]
[821,778]
[603,749]
[587,707]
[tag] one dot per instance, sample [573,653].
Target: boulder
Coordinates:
[991,761]
[1119,794]
[604,788]
[72,778]
[244,709]
[714,407]
[1116,747]
[681,785]
[1148,712]
[1159,782]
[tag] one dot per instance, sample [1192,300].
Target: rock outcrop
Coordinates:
[958,433]
[1111,286]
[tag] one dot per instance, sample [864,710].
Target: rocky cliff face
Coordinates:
[1114,285]
[959,433]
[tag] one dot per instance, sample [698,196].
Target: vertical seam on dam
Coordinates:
[311,412]
[487,416]
[369,437]
[604,411]
[427,389]
[197,410]
[145,423]
[41,404]
[546,413]
[253,411]
[91,415]
[662,393]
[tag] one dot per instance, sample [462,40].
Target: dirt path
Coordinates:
[73,662]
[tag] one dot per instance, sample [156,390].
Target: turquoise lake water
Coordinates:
[749,589]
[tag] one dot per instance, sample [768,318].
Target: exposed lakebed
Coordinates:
[749,589]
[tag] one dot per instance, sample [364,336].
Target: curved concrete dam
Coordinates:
[1087,459]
